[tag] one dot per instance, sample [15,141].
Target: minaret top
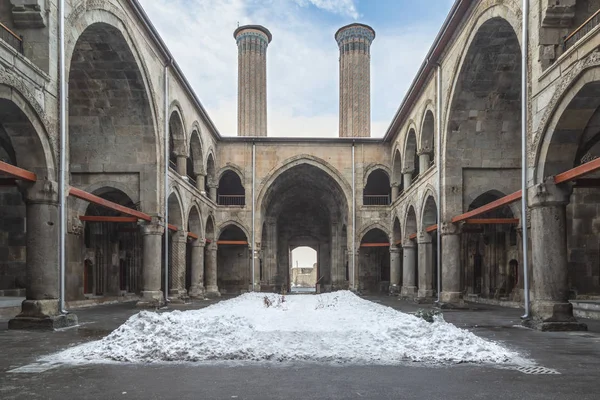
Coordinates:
[252,30]
[355,31]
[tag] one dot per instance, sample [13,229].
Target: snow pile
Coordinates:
[335,327]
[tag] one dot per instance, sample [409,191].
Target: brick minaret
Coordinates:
[354,41]
[252,42]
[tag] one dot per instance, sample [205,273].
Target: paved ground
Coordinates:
[575,355]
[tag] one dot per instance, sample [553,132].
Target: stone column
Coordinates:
[424,160]
[212,192]
[353,274]
[212,289]
[177,291]
[407,178]
[113,281]
[395,266]
[256,257]
[270,266]
[40,309]
[425,266]
[182,166]
[197,283]
[200,183]
[395,191]
[550,307]
[338,273]
[152,237]
[409,287]
[451,270]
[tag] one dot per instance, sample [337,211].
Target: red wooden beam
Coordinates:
[374,245]
[83,195]
[16,172]
[492,221]
[579,171]
[489,207]
[232,242]
[413,236]
[94,218]
[173,228]
[431,228]
[192,235]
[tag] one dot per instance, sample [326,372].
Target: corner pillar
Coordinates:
[550,309]
[395,267]
[425,266]
[409,287]
[197,283]
[152,232]
[450,234]
[212,290]
[40,309]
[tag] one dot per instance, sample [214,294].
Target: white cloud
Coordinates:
[302,61]
[341,7]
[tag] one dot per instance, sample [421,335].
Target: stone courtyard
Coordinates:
[162,210]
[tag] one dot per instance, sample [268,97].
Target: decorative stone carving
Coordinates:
[564,85]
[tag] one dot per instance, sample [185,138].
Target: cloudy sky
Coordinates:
[302,59]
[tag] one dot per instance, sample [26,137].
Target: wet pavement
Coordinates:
[572,358]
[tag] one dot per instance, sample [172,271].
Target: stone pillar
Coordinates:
[407,178]
[395,266]
[451,270]
[152,237]
[200,183]
[424,160]
[270,266]
[177,291]
[212,192]
[550,308]
[40,309]
[212,289]
[353,273]
[197,283]
[256,257]
[338,273]
[425,266]
[409,287]
[395,191]
[113,281]
[182,165]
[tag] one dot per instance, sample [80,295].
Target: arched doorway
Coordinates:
[410,251]
[377,191]
[374,262]
[304,206]
[427,247]
[231,191]
[303,275]
[233,260]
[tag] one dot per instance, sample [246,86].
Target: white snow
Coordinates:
[337,327]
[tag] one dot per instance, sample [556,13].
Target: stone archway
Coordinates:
[374,262]
[304,204]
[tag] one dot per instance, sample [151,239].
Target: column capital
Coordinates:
[549,194]
[449,228]
[180,236]
[423,237]
[408,243]
[424,150]
[212,246]
[43,191]
[212,185]
[199,243]
[407,170]
[154,227]
[395,184]
[394,249]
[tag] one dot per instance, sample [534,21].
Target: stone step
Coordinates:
[586,308]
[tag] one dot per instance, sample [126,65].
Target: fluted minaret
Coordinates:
[354,41]
[252,42]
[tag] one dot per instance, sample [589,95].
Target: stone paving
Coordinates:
[574,355]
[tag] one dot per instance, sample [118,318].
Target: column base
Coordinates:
[552,316]
[196,292]
[212,292]
[151,299]
[178,296]
[425,294]
[41,315]
[395,290]
[408,291]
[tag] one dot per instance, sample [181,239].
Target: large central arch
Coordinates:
[304,204]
